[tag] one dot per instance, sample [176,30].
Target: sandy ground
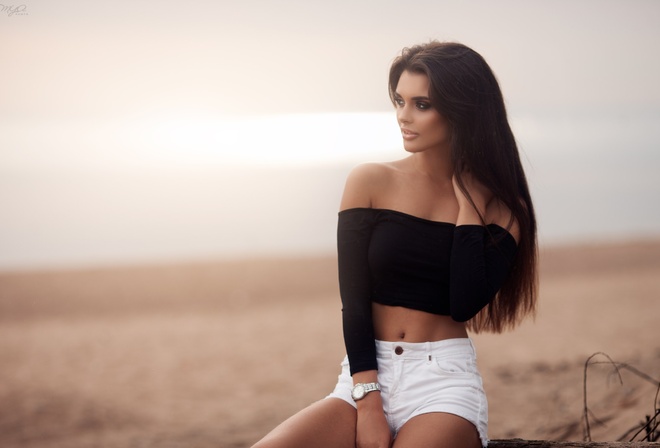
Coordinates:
[216,354]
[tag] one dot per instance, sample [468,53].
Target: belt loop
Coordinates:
[429,352]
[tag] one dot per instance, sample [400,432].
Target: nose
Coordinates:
[403,115]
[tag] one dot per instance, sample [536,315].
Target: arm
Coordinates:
[481,255]
[353,237]
[478,268]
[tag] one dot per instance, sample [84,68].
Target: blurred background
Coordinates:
[170,174]
[147,131]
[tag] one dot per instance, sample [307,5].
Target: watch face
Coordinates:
[358,392]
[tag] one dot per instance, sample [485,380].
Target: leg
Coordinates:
[327,423]
[437,430]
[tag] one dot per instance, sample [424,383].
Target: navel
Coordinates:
[402,335]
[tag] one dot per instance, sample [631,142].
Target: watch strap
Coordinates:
[360,390]
[371,387]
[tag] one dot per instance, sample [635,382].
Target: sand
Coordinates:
[216,354]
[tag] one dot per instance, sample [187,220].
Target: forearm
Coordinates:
[479,267]
[372,402]
[353,236]
[367,376]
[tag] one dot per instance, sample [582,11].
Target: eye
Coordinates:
[399,102]
[421,105]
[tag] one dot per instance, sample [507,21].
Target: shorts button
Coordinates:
[398,350]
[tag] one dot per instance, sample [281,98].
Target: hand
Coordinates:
[372,428]
[479,193]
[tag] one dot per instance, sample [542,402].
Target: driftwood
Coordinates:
[520,443]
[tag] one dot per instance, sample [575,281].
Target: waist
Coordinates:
[400,324]
[426,350]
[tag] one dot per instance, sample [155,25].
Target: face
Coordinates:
[423,128]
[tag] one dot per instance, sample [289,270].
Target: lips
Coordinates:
[407,134]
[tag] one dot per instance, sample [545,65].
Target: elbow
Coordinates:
[462,316]
[463,309]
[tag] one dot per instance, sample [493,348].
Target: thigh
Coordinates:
[327,423]
[437,430]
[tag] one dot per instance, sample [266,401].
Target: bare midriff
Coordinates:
[394,323]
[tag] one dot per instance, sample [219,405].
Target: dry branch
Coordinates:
[520,443]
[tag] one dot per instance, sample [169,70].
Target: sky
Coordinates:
[124,124]
[78,59]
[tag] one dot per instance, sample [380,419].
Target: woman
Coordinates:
[429,246]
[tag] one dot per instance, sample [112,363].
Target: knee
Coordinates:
[265,443]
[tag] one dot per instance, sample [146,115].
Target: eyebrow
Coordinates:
[414,98]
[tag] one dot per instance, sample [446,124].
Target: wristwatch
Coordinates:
[360,390]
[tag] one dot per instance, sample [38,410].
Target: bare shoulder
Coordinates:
[364,182]
[498,213]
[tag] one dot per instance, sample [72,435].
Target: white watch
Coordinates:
[360,390]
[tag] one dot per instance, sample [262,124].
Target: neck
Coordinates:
[435,165]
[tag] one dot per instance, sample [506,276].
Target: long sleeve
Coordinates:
[478,268]
[355,287]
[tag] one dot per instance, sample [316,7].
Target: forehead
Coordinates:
[413,84]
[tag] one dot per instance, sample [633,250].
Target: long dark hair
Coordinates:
[464,90]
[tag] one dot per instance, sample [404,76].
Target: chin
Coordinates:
[413,148]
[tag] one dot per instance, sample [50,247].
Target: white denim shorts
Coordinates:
[425,377]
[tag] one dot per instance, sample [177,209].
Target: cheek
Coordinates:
[444,130]
[437,127]
[428,122]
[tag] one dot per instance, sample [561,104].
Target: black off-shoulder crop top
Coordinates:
[397,259]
